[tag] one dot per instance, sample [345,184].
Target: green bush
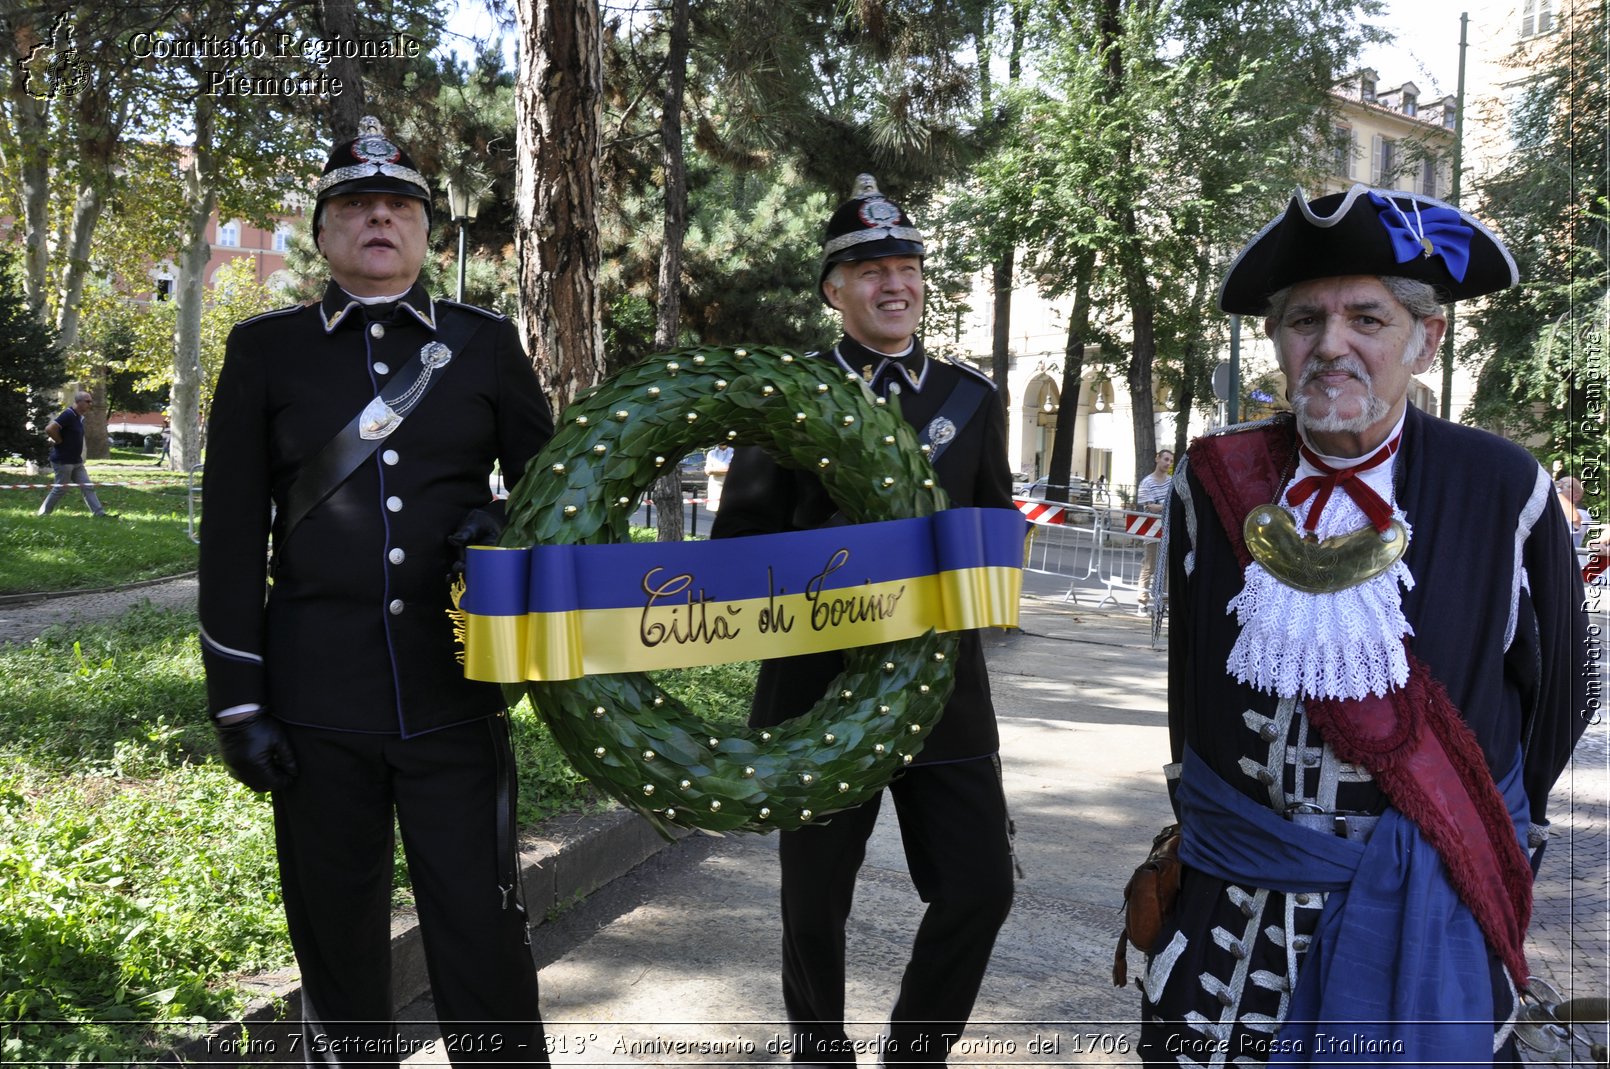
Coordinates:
[137,879]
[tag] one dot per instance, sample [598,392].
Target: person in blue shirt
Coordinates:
[66,434]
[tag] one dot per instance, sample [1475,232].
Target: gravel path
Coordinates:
[22,621]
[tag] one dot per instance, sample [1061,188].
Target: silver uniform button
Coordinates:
[396,556]
[396,607]
[381,367]
[377,330]
[389,456]
[394,504]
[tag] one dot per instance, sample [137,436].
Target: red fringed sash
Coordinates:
[1414,742]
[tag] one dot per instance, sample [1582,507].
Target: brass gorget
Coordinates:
[1315,567]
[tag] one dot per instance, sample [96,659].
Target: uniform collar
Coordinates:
[909,369]
[339,306]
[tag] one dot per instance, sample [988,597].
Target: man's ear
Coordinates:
[1436,326]
[830,293]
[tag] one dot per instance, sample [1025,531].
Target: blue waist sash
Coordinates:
[1398,970]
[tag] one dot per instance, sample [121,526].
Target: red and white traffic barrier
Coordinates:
[1048,513]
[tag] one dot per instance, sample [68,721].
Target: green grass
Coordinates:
[72,550]
[137,879]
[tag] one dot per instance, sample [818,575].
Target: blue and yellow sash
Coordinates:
[562,612]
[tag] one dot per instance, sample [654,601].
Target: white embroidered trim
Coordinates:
[1345,644]
[1182,487]
[1542,493]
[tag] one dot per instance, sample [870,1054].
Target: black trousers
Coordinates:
[953,825]
[333,829]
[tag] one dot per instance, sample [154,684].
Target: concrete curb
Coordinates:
[53,595]
[561,862]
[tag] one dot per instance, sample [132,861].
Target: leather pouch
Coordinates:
[1149,900]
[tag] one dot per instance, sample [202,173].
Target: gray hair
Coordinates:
[1418,298]
[83,395]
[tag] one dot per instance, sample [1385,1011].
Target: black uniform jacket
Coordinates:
[353,634]
[761,497]
[1496,606]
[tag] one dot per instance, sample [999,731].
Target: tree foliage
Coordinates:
[1541,345]
[31,366]
[1152,142]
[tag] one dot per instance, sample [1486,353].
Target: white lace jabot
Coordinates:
[1344,644]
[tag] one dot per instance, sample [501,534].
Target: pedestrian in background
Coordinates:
[66,434]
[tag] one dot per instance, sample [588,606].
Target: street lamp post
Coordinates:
[463,202]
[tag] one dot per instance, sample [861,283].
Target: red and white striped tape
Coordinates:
[1042,512]
[1143,524]
[92,486]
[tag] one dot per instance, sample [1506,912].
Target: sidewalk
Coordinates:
[677,963]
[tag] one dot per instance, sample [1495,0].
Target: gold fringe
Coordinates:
[455,593]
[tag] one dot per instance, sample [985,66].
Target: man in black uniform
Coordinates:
[952,812]
[339,692]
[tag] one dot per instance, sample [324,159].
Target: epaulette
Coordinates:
[963,365]
[287,310]
[1250,425]
[477,309]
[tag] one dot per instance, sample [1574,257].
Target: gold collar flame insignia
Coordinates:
[1315,567]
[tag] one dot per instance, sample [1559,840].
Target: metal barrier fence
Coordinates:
[1096,547]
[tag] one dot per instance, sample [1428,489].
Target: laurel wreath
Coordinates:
[640,744]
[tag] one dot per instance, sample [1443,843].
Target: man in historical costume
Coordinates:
[952,811]
[1375,633]
[369,423]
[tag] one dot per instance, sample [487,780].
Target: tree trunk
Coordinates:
[200,198]
[668,488]
[1001,338]
[33,143]
[1059,476]
[558,95]
[1142,325]
[340,18]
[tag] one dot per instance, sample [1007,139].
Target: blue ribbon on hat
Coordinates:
[1433,228]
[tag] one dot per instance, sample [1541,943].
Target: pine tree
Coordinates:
[31,367]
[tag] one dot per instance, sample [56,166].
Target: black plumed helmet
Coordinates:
[369,163]
[868,226]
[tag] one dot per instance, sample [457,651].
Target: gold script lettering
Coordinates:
[698,626]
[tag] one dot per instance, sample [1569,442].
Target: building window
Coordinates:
[1385,162]
[164,290]
[1342,149]
[229,234]
[1428,178]
[1409,100]
[1450,116]
[1537,17]
[1366,90]
[282,238]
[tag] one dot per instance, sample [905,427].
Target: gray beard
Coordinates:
[1373,412]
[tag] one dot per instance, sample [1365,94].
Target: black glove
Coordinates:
[257,752]
[479,527]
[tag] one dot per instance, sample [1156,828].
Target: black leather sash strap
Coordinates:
[510,887]
[960,407]
[358,440]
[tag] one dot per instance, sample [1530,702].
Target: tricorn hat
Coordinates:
[868,226]
[369,163]
[1368,232]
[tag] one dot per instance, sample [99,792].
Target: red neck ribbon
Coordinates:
[1320,486]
